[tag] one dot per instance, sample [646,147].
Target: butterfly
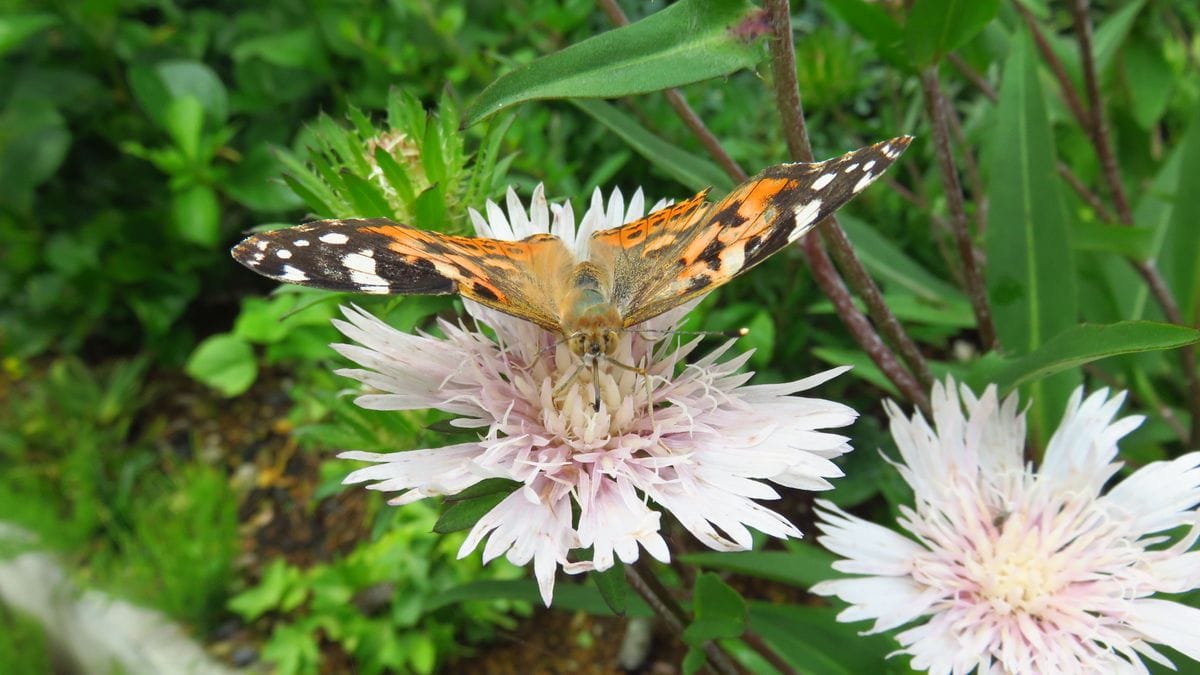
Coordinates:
[633,272]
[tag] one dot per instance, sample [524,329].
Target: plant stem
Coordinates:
[659,598]
[935,106]
[684,111]
[787,98]
[1096,122]
[1052,60]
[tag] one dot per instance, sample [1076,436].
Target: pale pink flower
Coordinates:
[704,455]
[1010,570]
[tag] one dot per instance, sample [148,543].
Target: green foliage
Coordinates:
[75,477]
[380,603]
[23,644]
[137,142]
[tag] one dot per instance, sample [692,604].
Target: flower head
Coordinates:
[1018,571]
[693,438]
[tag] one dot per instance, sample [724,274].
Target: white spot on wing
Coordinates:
[369,252]
[863,182]
[336,238]
[283,253]
[300,242]
[261,244]
[867,167]
[806,216]
[362,273]
[825,179]
[293,274]
[850,168]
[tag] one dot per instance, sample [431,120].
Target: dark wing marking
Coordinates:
[522,278]
[662,261]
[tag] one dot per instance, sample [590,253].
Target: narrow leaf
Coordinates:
[1030,274]
[1183,238]
[687,42]
[1089,342]
[890,263]
[802,567]
[693,172]
[814,641]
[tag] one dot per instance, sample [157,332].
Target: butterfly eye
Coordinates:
[577,344]
[610,341]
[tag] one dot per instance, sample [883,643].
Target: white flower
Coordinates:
[704,454]
[1017,571]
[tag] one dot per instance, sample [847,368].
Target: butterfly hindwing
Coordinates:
[523,278]
[699,246]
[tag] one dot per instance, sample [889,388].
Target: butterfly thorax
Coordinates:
[590,321]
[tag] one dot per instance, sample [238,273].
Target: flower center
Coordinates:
[1021,574]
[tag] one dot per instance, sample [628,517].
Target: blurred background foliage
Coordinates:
[167,422]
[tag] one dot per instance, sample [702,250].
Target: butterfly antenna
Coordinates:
[734,333]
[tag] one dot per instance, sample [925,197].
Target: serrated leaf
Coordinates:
[366,198]
[937,27]
[694,173]
[687,42]
[1030,273]
[1090,342]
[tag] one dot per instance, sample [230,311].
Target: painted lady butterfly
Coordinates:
[633,273]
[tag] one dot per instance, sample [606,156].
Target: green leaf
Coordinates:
[719,611]
[613,587]
[687,42]
[366,197]
[863,367]
[464,513]
[695,173]
[1151,81]
[224,362]
[1111,34]
[938,27]
[196,215]
[1131,242]
[34,140]
[155,86]
[184,122]
[1090,342]
[1030,274]
[801,567]
[892,265]
[814,641]
[1183,237]
[488,486]
[872,21]
[17,28]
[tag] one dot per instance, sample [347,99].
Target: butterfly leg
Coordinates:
[645,375]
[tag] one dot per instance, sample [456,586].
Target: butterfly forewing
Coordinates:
[645,267]
[666,262]
[524,278]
